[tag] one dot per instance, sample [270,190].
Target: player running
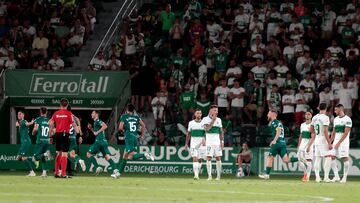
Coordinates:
[74,158]
[130,125]
[214,140]
[100,144]
[25,142]
[305,150]
[42,149]
[323,147]
[341,144]
[197,134]
[277,145]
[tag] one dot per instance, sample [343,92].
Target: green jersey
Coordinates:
[101,136]
[24,132]
[274,125]
[167,19]
[131,124]
[42,135]
[187,100]
[72,131]
[221,62]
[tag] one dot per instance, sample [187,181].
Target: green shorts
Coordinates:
[24,149]
[131,144]
[73,145]
[41,148]
[99,147]
[278,149]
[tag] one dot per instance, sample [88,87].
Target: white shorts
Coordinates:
[199,153]
[302,150]
[213,151]
[342,151]
[322,150]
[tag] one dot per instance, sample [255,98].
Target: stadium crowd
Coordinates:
[43,35]
[244,56]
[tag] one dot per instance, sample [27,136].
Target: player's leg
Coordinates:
[346,169]
[274,150]
[23,152]
[132,147]
[209,156]
[195,154]
[301,153]
[334,168]
[327,163]
[93,150]
[317,163]
[58,139]
[106,152]
[308,156]
[218,155]
[64,159]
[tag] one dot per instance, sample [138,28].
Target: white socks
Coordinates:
[196,169]
[218,169]
[302,166]
[317,167]
[346,169]
[334,168]
[327,166]
[199,167]
[208,167]
[308,168]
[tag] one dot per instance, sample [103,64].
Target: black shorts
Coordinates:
[62,142]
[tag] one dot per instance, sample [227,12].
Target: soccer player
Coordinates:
[214,140]
[42,149]
[323,147]
[341,134]
[197,134]
[62,119]
[74,158]
[277,145]
[130,125]
[304,145]
[25,142]
[100,144]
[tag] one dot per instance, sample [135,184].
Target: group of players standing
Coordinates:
[64,127]
[206,142]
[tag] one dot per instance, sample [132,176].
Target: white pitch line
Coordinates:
[312,198]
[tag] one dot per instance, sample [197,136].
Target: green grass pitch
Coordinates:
[15,187]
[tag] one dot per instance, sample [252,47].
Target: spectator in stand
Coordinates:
[167,18]
[203,104]
[228,129]
[221,60]
[241,25]
[335,87]
[158,104]
[288,107]
[346,98]
[336,69]
[98,63]
[328,21]
[274,98]
[259,71]
[244,156]
[301,100]
[309,85]
[40,45]
[281,70]
[227,21]
[221,95]
[327,97]
[11,63]
[214,32]
[56,63]
[256,103]
[187,99]
[113,63]
[236,96]
[233,73]
[176,34]
[77,33]
[91,14]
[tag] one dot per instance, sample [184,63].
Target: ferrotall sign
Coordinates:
[84,89]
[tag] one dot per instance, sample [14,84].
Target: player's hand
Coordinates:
[17,124]
[186,146]
[330,147]
[96,133]
[32,121]
[89,126]
[272,142]
[80,140]
[308,149]
[222,145]
[337,146]
[203,142]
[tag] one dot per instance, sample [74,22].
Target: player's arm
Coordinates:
[102,129]
[188,135]
[222,137]
[312,132]
[121,127]
[51,125]
[332,135]
[343,137]
[35,129]
[278,132]
[327,137]
[79,125]
[299,141]
[30,123]
[142,129]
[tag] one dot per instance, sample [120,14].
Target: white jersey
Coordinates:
[340,123]
[320,122]
[305,139]
[213,135]
[197,133]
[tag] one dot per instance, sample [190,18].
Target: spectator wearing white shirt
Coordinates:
[214,32]
[289,52]
[346,98]
[56,63]
[98,63]
[233,73]
[221,94]
[301,100]
[11,63]
[236,96]
[327,97]
[296,24]
[304,64]
[258,48]
[248,8]
[340,21]
[113,63]
[259,71]
[77,33]
[28,29]
[353,84]
[286,5]
[336,69]
[256,28]
[335,50]
[352,48]
[273,17]
[309,85]
[288,107]
[202,73]
[158,105]
[281,70]
[328,20]
[336,86]
[241,26]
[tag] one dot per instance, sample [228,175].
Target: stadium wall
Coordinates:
[177,160]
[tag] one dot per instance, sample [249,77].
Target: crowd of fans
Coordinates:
[244,56]
[43,34]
